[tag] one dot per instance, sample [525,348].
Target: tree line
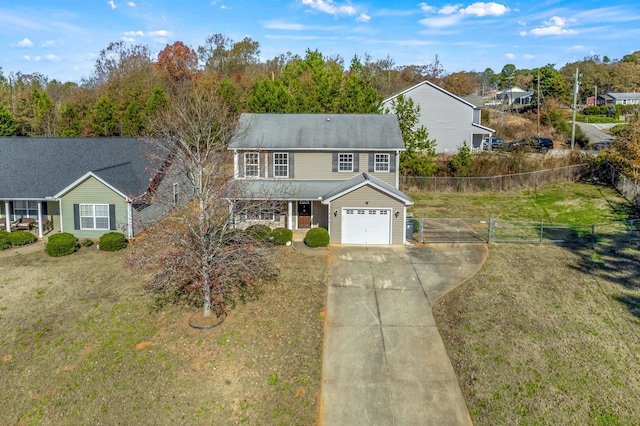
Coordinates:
[129,84]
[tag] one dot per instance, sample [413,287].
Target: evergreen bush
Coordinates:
[4,240]
[61,244]
[20,238]
[317,237]
[259,231]
[282,236]
[112,241]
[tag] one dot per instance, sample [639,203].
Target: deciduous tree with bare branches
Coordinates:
[197,251]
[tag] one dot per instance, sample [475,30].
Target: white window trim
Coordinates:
[282,165]
[94,217]
[387,163]
[252,155]
[340,162]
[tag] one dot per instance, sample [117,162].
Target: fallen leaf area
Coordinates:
[82,343]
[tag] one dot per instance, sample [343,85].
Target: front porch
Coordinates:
[35,216]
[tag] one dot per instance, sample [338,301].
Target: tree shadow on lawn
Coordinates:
[616,259]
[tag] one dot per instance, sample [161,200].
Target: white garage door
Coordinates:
[366,226]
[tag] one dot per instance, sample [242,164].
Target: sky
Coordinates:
[63,39]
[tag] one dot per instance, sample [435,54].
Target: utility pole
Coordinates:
[538,105]
[573,119]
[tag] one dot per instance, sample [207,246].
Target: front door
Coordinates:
[304,214]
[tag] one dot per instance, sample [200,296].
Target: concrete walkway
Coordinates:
[384,362]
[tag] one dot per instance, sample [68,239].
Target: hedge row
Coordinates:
[15,239]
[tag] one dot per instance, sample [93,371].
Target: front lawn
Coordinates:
[81,343]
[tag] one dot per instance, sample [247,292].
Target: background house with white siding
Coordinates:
[449,119]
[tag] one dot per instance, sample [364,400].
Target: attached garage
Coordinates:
[367,211]
[366,226]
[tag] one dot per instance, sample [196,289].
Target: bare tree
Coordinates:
[199,252]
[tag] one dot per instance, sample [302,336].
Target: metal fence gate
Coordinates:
[495,230]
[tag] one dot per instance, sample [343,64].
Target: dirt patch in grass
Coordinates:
[548,335]
[81,344]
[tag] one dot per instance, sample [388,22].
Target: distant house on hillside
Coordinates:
[449,119]
[612,98]
[515,96]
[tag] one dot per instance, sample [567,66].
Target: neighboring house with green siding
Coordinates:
[84,186]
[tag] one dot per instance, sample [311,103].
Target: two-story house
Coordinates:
[449,119]
[336,171]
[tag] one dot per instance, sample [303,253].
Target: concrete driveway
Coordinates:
[384,362]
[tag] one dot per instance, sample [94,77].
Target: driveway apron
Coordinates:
[384,362]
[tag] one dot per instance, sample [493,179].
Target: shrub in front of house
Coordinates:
[259,231]
[20,238]
[282,236]
[61,244]
[112,241]
[4,240]
[317,237]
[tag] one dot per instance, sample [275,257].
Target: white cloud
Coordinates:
[330,7]
[47,58]
[290,26]
[485,9]
[448,10]
[453,14]
[441,22]
[554,26]
[223,7]
[25,42]
[51,43]
[426,8]
[510,56]
[26,57]
[159,36]
[112,4]
[528,56]
[363,17]
[131,4]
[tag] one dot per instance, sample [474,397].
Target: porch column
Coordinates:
[39,219]
[129,220]
[290,215]
[61,215]
[7,217]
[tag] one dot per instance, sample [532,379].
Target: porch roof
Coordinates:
[295,190]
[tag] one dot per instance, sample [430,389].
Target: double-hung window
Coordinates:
[94,216]
[382,163]
[281,164]
[251,164]
[345,162]
[25,208]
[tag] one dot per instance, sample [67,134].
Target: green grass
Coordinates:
[543,334]
[571,203]
[596,119]
[81,343]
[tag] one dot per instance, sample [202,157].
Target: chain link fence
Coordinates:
[494,183]
[495,230]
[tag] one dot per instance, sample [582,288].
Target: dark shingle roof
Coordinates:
[36,168]
[319,132]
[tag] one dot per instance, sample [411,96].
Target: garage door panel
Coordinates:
[366,226]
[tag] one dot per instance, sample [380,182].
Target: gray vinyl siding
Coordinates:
[318,165]
[92,191]
[161,205]
[320,213]
[363,198]
[449,120]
